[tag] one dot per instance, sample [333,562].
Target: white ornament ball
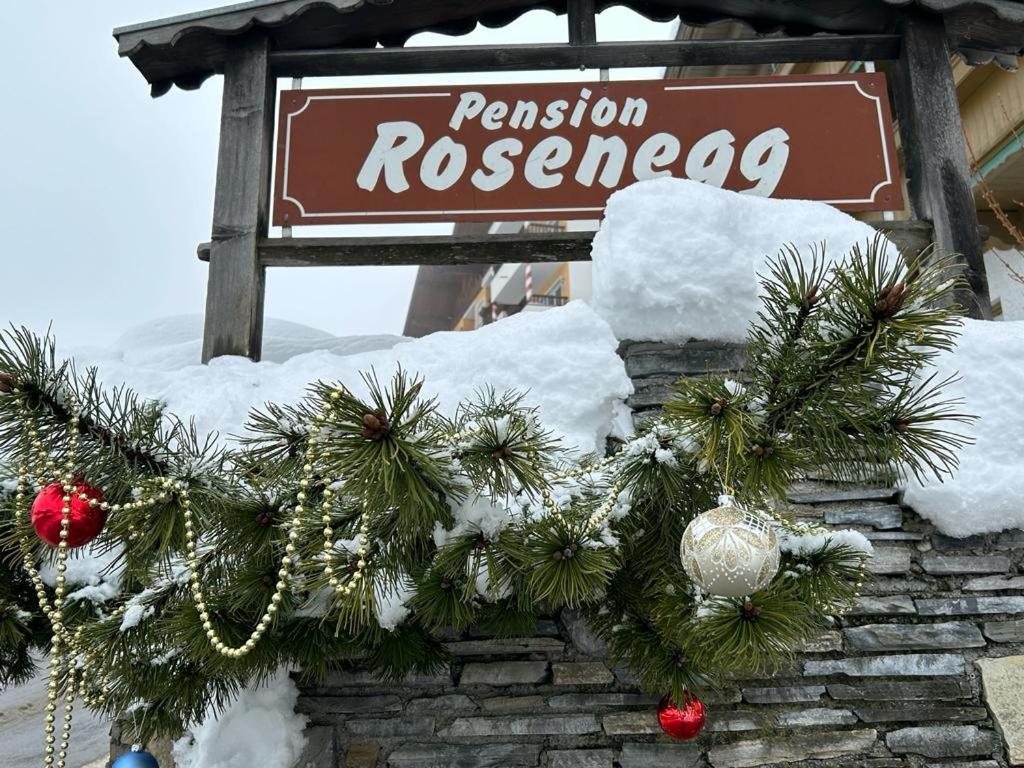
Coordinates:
[730,552]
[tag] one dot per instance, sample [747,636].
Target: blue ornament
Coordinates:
[141,759]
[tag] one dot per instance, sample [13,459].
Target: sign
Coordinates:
[557,150]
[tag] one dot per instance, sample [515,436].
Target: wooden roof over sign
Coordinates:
[185,50]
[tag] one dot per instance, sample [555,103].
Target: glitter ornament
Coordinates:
[730,552]
[137,758]
[85,520]
[683,722]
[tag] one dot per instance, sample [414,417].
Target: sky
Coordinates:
[108,191]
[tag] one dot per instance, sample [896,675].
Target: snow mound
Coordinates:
[565,359]
[984,494]
[260,728]
[676,260]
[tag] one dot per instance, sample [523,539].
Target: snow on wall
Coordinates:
[985,494]
[564,358]
[676,260]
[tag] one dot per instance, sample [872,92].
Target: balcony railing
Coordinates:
[492,312]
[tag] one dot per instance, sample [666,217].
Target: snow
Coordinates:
[564,358]
[803,544]
[93,571]
[259,728]
[676,259]
[984,494]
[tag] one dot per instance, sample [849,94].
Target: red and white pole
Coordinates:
[528,276]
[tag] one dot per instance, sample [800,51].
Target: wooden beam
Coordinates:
[938,174]
[910,236]
[665,53]
[582,22]
[234,294]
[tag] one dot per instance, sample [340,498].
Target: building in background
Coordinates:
[992,112]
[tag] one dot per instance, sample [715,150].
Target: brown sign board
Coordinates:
[557,150]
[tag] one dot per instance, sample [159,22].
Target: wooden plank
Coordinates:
[938,174]
[234,294]
[665,53]
[582,22]
[911,236]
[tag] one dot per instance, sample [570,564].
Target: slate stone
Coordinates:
[362,754]
[584,701]
[941,541]
[516,646]
[970,606]
[660,756]
[994,583]
[884,516]
[319,751]
[783,695]
[631,723]
[913,690]
[1002,681]
[505,673]
[885,605]
[888,560]
[942,741]
[454,702]
[953,565]
[544,725]
[968,764]
[919,714]
[729,722]
[694,358]
[775,749]
[464,756]
[814,716]
[1004,631]
[361,678]
[325,709]
[824,643]
[824,495]
[914,637]
[584,639]
[387,728]
[894,536]
[580,758]
[512,704]
[904,665]
[581,673]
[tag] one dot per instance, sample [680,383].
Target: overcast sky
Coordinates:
[107,192]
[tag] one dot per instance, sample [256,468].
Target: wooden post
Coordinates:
[938,174]
[234,294]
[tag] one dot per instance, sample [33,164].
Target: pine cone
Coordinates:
[718,406]
[6,383]
[264,519]
[502,453]
[376,426]
[901,426]
[812,296]
[890,300]
[761,451]
[750,611]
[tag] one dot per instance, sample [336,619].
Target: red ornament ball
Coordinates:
[682,722]
[85,521]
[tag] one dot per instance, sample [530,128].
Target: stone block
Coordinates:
[882,516]
[806,494]
[660,756]
[319,750]
[361,678]
[814,716]
[784,694]
[694,358]
[731,722]
[971,606]
[631,723]
[914,637]
[389,728]
[1004,631]
[951,543]
[507,646]
[327,708]
[885,605]
[904,713]
[1003,681]
[994,583]
[362,754]
[954,565]
[453,702]
[942,741]
[580,758]
[968,764]
[824,643]
[512,704]
[790,749]
[505,673]
[503,727]
[914,690]
[889,560]
[583,701]
[581,673]
[583,638]
[905,665]
[464,756]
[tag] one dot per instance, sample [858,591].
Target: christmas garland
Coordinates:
[355,530]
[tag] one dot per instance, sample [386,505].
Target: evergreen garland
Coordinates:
[331,510]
